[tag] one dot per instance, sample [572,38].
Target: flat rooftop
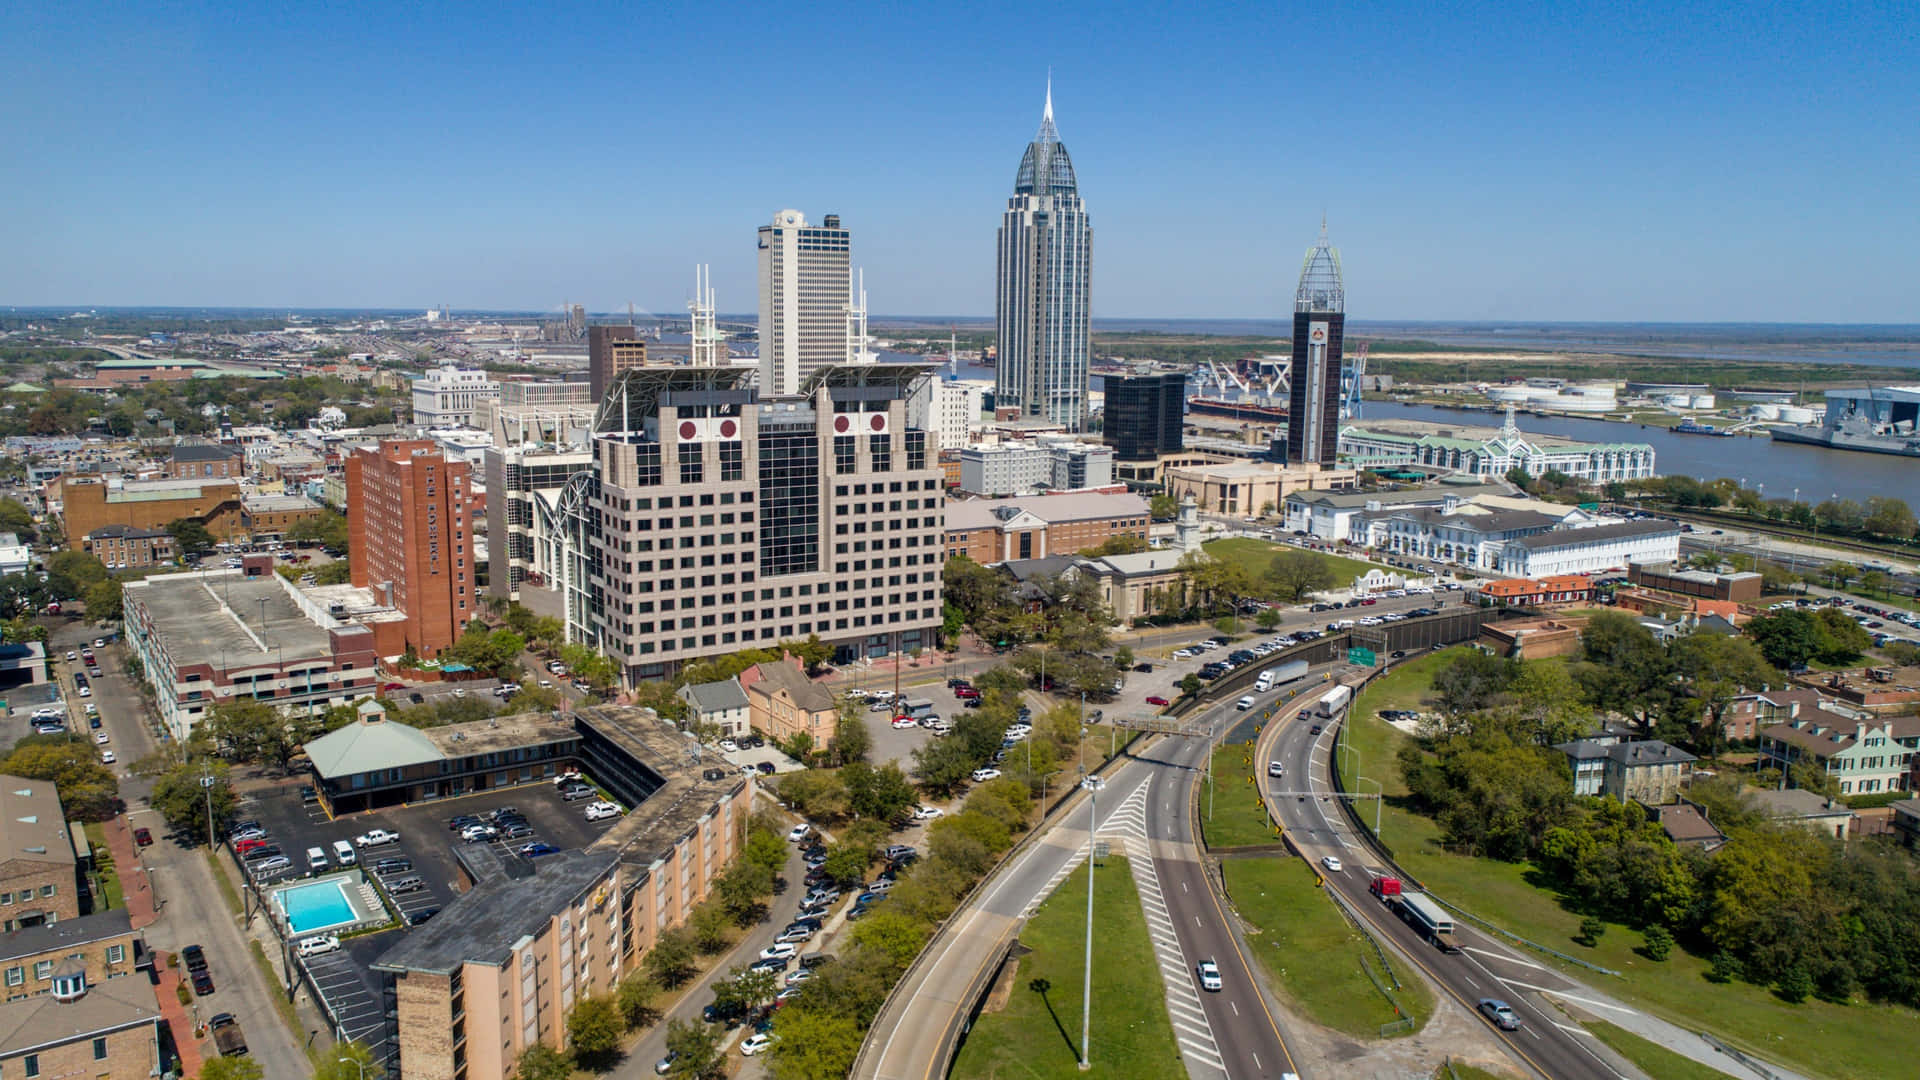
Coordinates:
[675,808]
[214,612]
[483,923]
[500,733]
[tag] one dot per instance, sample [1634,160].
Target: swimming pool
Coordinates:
[317,905]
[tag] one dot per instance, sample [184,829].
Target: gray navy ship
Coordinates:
[1877,420]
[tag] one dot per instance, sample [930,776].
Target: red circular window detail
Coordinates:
[879,422]
[728,429]
[688,429]
[841,424]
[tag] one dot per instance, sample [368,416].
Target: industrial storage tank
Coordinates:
[1700,401]
[1796,414]
[1518,395]
[1764,411]
[1677,401]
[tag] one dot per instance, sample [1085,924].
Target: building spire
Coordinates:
[1046,116]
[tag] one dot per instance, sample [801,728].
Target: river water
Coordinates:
[1819,473]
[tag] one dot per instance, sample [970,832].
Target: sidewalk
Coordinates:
[138,889]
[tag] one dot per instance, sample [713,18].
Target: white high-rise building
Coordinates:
[806,289]
[448,397]
[1044,286]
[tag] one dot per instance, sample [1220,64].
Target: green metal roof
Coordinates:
[367,745]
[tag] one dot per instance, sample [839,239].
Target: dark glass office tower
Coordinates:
[1319,322]
[1145,415]
[1043,286]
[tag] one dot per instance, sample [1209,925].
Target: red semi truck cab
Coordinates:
[1384,887]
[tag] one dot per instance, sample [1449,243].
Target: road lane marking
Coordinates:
[1506,957]
[1235,1008]
[1470,981]
[1571,997]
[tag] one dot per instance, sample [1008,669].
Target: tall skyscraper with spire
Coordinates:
[1043,287]
[1319,325]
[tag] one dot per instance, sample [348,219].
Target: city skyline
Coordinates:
[1493,164]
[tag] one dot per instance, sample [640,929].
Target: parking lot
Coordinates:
[426,851]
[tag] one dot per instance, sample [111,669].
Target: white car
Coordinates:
[981,776]
[905,722]
[101,738]
[106,757]
[728,746]
[1016,731]
[779,950]
[476,833]
[71,655]
[376,837]
[926,813]
[754,1044]
[600,811]
[86,691]
[856,694]
[315,946]
[1332,863]
[799,832]
[1209,976]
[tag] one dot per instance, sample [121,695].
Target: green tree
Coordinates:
[103,600]
[17,519]
[245,729]
[1841,639]
[879,794]
[1796,985]
[708,925]
[941,765]
[1889,517]
[1117,544]
[1786,639]
[670,961]
[1874,582]
[1294,572]
[542,1062]
[851,740]
[190,536]
[1163,507]
[696,1051]
[744,990]
[847,862]
[1123,657]
[811,651]
[1590,931]
[182,800]
[892,934]
[634,997]
[1659,942]
[594,1030]
[1627,670]
[232,1068]
[348,1060]
[1268,618]
[819,796]
[1719,669]
[815,1043]
[87,789]
[1190,684]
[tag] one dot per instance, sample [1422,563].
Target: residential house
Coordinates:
[1687,825]
[1647,771]
[130,546]
[722,704]
[783,702]
[69,1008]
[1746,714]
[1864,755]
[1797,806]
[1906,821]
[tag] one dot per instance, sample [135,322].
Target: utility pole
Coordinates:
[1093,785]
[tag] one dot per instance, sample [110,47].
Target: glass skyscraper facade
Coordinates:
[1043,287]
[1319,330]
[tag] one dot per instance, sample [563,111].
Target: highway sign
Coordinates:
[1362,657]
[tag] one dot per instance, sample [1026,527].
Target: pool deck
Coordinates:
[343,885]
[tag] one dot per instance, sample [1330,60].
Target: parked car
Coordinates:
[194,957]
[318,945]
[799,832]
[981,776]
[143,837]
[202,982]
[926,813]
[600,811]
[754,1044]
[375,838]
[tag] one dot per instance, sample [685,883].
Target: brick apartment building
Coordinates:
[70,1008]
[206,461]
[610,351]
[39,882]
[120,546]
[1038,526]
[410,533]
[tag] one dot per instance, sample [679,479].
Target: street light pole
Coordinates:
[356,1064]
[1093,785]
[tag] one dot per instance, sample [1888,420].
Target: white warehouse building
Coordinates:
[1493,457]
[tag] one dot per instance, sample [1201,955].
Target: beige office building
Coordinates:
[720,518]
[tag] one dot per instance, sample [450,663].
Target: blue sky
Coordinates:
[1476,161]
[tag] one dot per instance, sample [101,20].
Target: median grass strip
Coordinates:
[111,895]
[1657,1060]
[1313,954]
[1036,1034]
[1851,1039]
[1232,814]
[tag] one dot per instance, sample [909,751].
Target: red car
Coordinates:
[241,847]
[964,692]
[1156,699]
[143,837]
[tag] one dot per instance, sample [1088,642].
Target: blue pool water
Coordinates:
[317,905]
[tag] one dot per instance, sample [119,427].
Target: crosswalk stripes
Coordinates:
[1129,819]
[1191,1029]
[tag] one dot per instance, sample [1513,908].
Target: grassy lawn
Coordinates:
[1239,819]
[111,895]
[1255,555]
[1830,1040]
[1467,1072]
[1312,953]
[1038,1034]
[1657,1060]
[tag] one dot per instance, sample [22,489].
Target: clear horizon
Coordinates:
[1476,162]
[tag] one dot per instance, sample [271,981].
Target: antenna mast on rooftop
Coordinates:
[708,345]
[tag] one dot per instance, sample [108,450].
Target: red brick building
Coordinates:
[410,534]
[1036,526]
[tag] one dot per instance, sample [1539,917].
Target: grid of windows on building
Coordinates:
[789,499]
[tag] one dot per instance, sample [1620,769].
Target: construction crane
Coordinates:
[1351,371]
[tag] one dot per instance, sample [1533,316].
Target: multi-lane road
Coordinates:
[1143,811]
[1304,803]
